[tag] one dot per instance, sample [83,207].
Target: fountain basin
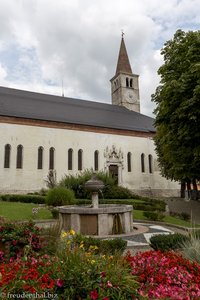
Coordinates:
[102,220]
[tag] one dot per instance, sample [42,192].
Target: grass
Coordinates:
[138,215]
[17,211]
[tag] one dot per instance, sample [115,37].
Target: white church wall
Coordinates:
[29,178]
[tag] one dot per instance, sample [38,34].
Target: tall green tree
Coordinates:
[178,108]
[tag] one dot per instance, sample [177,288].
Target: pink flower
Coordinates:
[33,261]
[59,282]
[94,295]
[109,284]
[14,242]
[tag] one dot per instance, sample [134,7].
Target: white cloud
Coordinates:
[3,75]
[77,41]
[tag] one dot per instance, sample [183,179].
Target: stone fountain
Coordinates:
[95,219]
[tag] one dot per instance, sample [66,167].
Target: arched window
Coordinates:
[40,158]
[70,157]
[96,160]
[142,163]
[129,161]
[19,157]
[131,82]
[127,82]
[7,156]
[150,163]
[80,159]
[51,158]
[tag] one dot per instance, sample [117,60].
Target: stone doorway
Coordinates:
[113,170]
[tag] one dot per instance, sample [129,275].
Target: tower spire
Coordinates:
[123,64]
[125,85]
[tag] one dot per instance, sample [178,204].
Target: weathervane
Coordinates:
[123,33]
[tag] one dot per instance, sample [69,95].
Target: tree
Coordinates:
[177,119]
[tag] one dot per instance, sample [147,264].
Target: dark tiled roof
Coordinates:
[29,105]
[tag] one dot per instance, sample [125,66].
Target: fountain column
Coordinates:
[95,200]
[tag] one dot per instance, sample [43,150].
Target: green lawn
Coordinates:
[16,211]
[138,215]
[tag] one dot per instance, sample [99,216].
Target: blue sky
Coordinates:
[45,42]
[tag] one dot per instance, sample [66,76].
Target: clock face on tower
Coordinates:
[129,96]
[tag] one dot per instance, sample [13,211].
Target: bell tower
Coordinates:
[124,85]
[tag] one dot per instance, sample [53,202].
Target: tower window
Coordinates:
[150,163]
[7,156]
[80,159]
[40,158]
[51,158]
[142,163]
[96,160]
[131,82]
[127,82]
[129,161]
[70,156]
[19,156]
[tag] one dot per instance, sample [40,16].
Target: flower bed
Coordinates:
[166,275]
[78,271]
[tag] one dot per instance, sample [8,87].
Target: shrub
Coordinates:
[55,213]
[43,192]
[110,191]
[50,236]
[185,216]
[51,179]
[153,215]
[60,196]
[37,199]
[166,242]
[106,178]
[110,246]
[116,192]
[191,248]
[14,237]
[77,184]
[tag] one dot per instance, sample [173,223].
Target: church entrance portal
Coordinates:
[113,170]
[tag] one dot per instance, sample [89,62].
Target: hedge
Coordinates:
[24,198]
[167,242]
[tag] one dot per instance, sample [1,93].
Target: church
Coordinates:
[42,132]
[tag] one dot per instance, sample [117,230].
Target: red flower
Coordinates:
[94,295]
[103,274]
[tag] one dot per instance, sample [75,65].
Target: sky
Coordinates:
[71,46]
